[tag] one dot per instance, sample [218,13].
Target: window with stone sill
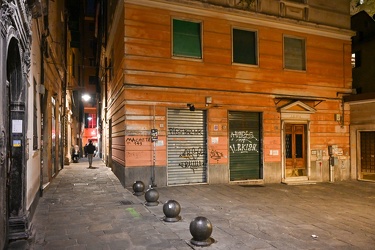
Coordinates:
[294,53]
[244,44]
[187,39]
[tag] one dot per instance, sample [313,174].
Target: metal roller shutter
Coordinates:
[245,145]
[187,150]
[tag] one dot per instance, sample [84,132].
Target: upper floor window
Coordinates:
[294,53]
[92,61]
[245,47]
[73,65]
[356,59]
[92,80]
[90,120]
[187,41]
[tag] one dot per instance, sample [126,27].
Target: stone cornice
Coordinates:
[255,18]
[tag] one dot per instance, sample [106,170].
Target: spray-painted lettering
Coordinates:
[192,153]
[137,141]
[191,164]
[243,142]
[185,131]
[216,155]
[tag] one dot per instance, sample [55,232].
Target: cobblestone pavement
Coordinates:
[89,209]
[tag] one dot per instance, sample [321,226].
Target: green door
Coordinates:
[245,161]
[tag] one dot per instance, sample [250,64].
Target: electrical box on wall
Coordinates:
[208,99]
[337,117]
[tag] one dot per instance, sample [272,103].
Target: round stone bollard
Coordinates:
[152,196]
[138,188]
[172,210]
[201,230]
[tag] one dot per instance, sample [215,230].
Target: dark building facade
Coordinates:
[39,112]
[15,65]
[362,103]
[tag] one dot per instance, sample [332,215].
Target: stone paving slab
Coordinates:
[89,209]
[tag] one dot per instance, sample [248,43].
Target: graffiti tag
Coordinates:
[185,131]
[193,165]
[137,141]
[216,155]
[192,155]
[243,142]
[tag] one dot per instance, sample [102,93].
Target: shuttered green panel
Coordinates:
[245,146]
[187,39]
[244,47]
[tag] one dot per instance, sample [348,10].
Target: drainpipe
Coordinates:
[64,148]
[154,138]
[42,111]
[331,169]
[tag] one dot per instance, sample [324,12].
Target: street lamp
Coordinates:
[86,97]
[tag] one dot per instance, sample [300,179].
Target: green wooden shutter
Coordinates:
[244,47]
[187,39]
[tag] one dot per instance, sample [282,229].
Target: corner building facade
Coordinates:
[226,91]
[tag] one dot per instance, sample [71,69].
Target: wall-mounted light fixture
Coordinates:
[86,97]
[208,100]
[338,117]
[191,106]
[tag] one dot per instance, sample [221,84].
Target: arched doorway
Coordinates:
[15,122]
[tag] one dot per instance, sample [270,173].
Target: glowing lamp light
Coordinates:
[86,97]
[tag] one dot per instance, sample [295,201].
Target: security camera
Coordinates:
[191,107]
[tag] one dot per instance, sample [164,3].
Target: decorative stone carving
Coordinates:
[240,4]
[26,60]
[8,12]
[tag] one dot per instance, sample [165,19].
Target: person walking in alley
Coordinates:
[90,152]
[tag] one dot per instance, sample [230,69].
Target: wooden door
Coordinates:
[368,155]
[295,150]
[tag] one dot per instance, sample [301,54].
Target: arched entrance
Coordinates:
[15,122]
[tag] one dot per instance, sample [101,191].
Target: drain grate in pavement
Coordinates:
[126,202]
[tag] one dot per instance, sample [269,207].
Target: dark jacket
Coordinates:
[90,148]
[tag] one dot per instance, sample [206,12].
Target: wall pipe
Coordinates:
[153,155]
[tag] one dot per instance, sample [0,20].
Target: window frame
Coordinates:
[256,47]
[181,56]
[92,123]
[356,59]
[304,53]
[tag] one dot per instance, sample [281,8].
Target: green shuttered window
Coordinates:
[244,47]
[187,40]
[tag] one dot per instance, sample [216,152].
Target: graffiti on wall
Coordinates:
[243,142]
[185,131]
[216,155]
[192,156]
[137,141]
